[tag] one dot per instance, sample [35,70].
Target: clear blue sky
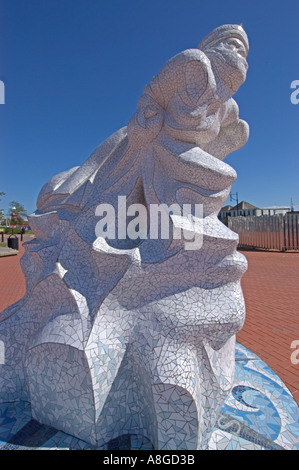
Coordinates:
[74,69]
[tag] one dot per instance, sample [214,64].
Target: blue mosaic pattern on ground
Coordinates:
[260,413]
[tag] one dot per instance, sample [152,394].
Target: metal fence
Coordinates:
[277,232]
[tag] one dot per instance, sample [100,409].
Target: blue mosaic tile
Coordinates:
[260,413]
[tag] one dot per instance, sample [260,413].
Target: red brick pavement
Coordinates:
[12,282]
[271,294]
[270,289]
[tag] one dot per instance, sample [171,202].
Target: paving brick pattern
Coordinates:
[271,294]
[12,282]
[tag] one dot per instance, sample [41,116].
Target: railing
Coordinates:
[277,232]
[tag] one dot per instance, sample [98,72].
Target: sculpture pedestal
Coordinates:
[259,414]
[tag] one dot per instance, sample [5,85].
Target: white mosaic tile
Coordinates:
[130,335]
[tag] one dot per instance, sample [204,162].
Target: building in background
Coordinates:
[246,209]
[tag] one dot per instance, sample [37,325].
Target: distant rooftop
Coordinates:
[278,207]
[243,206]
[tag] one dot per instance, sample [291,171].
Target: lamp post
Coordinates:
[1,230]
[235,197]
[14,217]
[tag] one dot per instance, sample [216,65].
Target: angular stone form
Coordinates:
[123,336]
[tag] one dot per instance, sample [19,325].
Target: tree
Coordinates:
[19,209]
[1,210]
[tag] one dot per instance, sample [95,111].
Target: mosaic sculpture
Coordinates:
[129,335]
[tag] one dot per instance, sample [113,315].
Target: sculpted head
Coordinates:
[187,99]
[227,47]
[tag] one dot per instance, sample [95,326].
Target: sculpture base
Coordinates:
[260,413]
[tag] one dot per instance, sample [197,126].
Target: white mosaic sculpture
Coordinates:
[119,337]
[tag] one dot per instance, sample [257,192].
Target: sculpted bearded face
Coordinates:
[227,48]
